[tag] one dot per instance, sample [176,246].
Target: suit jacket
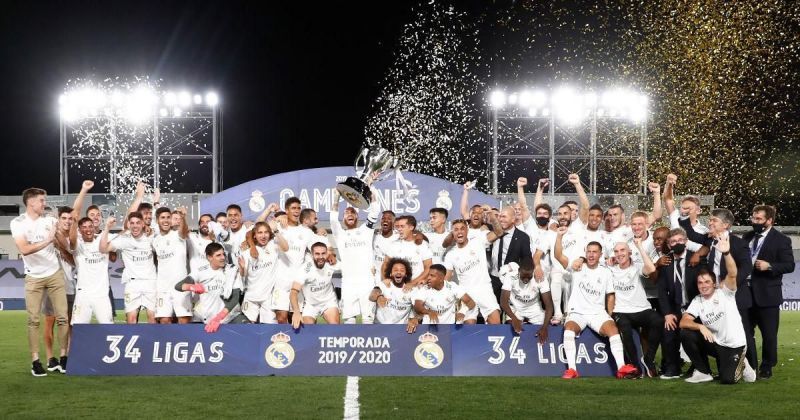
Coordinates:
[776,249]
[740,253]
[668,294]
[519,248]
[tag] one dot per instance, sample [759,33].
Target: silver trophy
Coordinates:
[377,164]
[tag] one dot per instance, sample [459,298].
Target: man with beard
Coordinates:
[139,275]
[381,240]
[290,262]
[438,300]
[522,299]
[354,246]
[590,305]
[198,241]
[438,220]
[257,267]
[468,261]
[217,287]
[170,248]
[417,254]
[394,302]
[91,291]
[315,282]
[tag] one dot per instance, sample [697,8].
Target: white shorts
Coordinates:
[314,311]
[355,301]
[140,293]
[258,310]
[532,316]
[595,322]
[173,302]
[485,301]
[85,306]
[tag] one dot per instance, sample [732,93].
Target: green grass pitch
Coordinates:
[23,396]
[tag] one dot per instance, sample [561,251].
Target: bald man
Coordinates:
[513,245]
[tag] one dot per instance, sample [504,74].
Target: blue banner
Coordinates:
[329,350]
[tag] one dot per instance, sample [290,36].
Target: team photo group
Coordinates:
[657,279]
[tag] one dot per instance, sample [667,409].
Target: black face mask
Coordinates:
[758,228]
[542,221]
[678,249]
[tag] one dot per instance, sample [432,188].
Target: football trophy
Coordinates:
[371,165]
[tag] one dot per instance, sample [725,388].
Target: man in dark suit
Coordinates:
[513,245]
[677,286]
[771,254]
[719,225]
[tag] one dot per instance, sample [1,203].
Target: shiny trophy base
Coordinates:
[355,191]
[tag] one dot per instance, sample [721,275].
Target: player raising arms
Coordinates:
[91,291]
[592,291]
[257,267]
[314,280]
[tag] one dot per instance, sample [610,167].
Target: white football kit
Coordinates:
[411,252]
[587,303]
[139,275]
[287,269]
[525,298]
[355,252]
[443,301]
[721,316]
[219,285]
[318,290]
[629,292]
[398,307]
[196,245]
[91,290]
[470,265]
[260,283]
[170,250]
[380,245]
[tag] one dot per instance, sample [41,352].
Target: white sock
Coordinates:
[569,348]
[350,320]
[616,350]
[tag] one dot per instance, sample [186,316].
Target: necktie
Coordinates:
[678,282]
[756,240]
[500,252]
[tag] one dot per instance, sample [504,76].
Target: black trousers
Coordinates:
[496,285]
[730,360]
[767,320]
[749,332]
[651,322]
[671,351]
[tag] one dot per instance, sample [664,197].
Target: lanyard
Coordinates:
[754,254]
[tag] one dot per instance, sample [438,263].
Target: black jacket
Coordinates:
[519,248]
[668,294]
[776,249]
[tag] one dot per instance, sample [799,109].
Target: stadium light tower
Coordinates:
[535,126]
[144,116]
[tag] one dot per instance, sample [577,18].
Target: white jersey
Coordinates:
[589,290]
[698,227]
[442,301]
[260,272]
[92,269]
[299,239]
[398,306]
[572,246]
[721,316]
[219,285]
[600,236]
[435,241]
[137,255]
[380,245]
[317,284]
[478,233]
[196,244]
[171,253]
[44,262]
[651,290]
[629,293]
[411,252]
[469,264]
[541,240]
[623,233]
[524,297]
[354,249]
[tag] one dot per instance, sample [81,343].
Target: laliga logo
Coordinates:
[257,203]
[428,354]
[280,353]
[444,200]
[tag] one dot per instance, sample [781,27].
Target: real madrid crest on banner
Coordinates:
[428,354]
[280,353]
[444,200]
[257,203]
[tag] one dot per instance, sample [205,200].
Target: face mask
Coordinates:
[683,216]
[542,221]
[678,249]
[758,228]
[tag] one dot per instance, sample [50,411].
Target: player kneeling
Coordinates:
[522,298]
[394,302]
[437,301]
[216,288]
[592,292]
[317,287]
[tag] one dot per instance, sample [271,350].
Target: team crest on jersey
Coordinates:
[280,354]
[428,354]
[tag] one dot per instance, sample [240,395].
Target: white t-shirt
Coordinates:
[478,233]
[380,245]
[92,269]
[260,272]
[629,293]
[589,290]
[469,264]
[44,262]
[573,246]
[196,245]
[623,233]
[443,301]
[435,241]
[399,305]
[720,314]
[411,252]
[524,297]
[299,239]
[541,240]
[317,284]
[354,249]
[171,253]
[137,255]
[219,285]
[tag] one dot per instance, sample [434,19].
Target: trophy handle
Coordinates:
[362,156]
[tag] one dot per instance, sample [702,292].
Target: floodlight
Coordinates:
[497,99]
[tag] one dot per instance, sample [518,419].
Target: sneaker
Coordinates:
[52,365]
[627,372]
[699,377]
[650,369]
[63,364]
[670,375]
[570,374]
[748,373]
[37,369]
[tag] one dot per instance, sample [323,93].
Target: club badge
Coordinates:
[280,354]
[428,353]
